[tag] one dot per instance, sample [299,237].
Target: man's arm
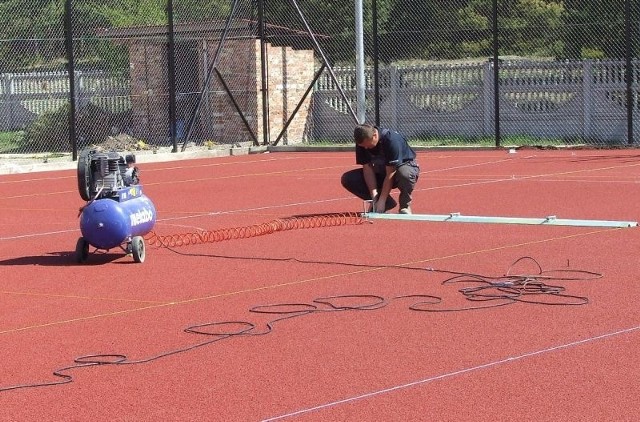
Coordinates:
[386,189]
[370,179]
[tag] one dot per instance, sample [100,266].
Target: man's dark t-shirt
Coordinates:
[392,150]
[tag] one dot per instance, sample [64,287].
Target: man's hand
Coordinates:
[379,206]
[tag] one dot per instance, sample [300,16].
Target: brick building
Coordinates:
[231,107]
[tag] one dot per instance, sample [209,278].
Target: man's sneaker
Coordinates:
[406,210]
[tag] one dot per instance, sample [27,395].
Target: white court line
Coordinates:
[266,207]
[466,184]
[186,217]
[452,374]
[464,166]
[25,236]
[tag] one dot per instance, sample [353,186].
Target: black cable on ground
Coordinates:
[513,288]
[496,291]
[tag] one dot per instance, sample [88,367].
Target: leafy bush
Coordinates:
[10,142]
[50,131]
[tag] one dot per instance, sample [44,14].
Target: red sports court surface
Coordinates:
[347,322]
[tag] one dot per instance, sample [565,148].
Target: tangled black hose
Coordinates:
[496,291]
[512,288]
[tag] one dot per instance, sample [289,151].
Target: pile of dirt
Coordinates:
[122,142]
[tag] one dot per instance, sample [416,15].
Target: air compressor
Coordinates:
[117,212]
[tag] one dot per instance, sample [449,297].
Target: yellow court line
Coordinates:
[202,179]
[49,295]
[191,165]
[561,173]
[284,172]
[30,195]
[236,176]
[517,245]
[615,177]
[299,282]
[515,178]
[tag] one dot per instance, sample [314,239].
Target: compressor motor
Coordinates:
[102,174]
[117,213]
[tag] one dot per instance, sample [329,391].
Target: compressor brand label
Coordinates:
[143,216]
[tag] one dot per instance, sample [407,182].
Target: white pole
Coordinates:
[360,82]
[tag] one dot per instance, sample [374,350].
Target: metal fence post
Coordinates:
[487,99]
[68,26]
[171,77]
[376,64]
[496,74]
[5,102]
[587,82]
[394,84]
[628,75]
[361,108]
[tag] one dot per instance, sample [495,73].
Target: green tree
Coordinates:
[331,21]
[526,27]
[32,33]
[91,14]
[594,29]
[203,10]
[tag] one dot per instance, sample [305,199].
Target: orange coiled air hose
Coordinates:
[269,227]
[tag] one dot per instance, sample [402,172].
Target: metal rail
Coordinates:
[455,217]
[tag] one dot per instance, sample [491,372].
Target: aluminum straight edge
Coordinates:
[546,221]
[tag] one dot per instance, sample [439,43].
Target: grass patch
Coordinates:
[11,142]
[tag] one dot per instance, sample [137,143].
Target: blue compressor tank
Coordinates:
[110,222]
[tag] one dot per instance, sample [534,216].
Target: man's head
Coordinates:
[130,159]
[366,136]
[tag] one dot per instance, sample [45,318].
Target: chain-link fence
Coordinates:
[174,74]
